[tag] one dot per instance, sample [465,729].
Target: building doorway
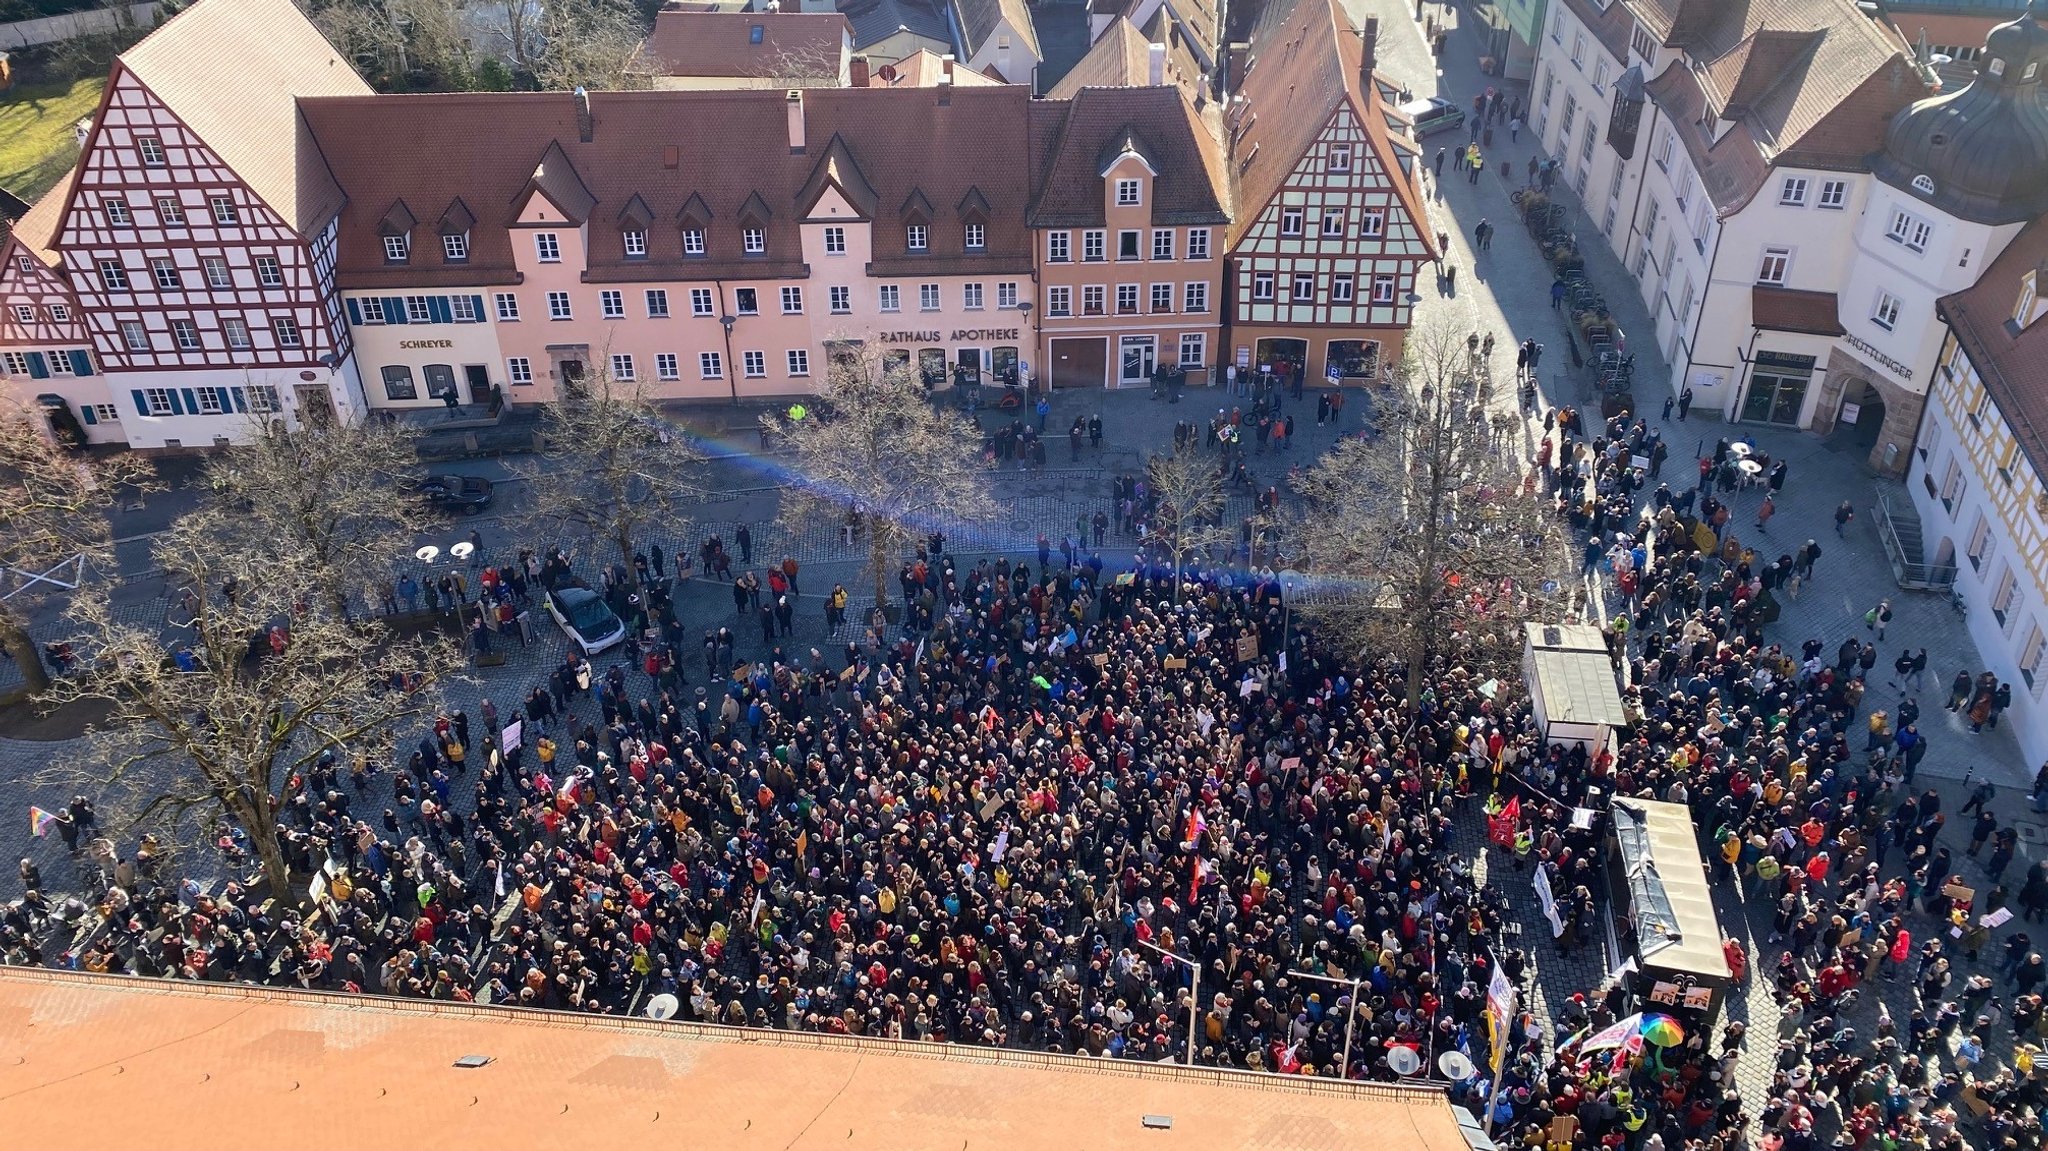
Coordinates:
[966,367]
[1281,357]
[1137,356]
[1080,363]
[1860,418]
[479,378]
[1777,389]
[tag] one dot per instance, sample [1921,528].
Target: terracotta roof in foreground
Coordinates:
[194,1065]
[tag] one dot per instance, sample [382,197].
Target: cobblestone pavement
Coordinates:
[1504,290]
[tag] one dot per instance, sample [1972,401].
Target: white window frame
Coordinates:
[373,310]
[135,336]
[1792,193]
[693,241]
[151,150]
[519,370]
[547,247]
[1127,299]
[835,240]
[164,273]
[1774,267]
[397,249]
[971,296]
[157,401]
[1059,300]
[1341,288]
[1094,246]
[792,300]
[1295,292]
[1293,221]
[929,299]
[667,367]
[656,300]
[1265,287]
[1340,158]
[611,304]
[1006,294]
[1130,193]
[117,211]
[269,273]
[1384,285]
[710,366]
[1909,231]
[170,212]
[1834,195]
[185,336]
[1195,296]
[889,298]
[113,277]
[754,364]
[1059,247]
[700,302]
[1886,310]
[507,306]
[635,243]
[1162,243]
[622,367]
[1198,243]
[418,310]
[560,307]
[286,331]
[455,246]
[798,361]
[235,332]
[917,237]
[1161,302]
[975,236]
[223,209]
[1198,342]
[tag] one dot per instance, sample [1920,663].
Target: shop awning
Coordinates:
[1792,310]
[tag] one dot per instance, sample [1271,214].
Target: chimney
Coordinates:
[585,127]
[796,121]
[857,72]
[946,68]
[1156,77]
[1240,53]
[946,80]
[1372,53]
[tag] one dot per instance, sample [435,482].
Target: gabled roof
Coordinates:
[877,20]
[397,220]
[1805,83]
[37,227]
[2012,361]
[635,216]
[1305,68]
[973,205]
[979,20]
[838,169]
[1120,57]
[1124,144]
[456,219]
[694,211]
[916,206]
[771,46]
[1190,188]
[555,177]
[922,69]
[230,70]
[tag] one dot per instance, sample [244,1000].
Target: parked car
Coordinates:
[585,618]
[1432,114]
[465,494]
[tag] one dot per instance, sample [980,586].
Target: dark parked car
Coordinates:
[466,494]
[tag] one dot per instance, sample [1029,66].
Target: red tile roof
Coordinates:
[2012,361]
[485,147]
[790,44]
[1162,127]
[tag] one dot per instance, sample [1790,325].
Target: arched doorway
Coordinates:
[1859,419]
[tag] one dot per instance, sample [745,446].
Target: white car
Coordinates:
[585,618]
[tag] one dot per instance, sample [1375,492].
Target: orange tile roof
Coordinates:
[1121,56]
[108,1061]
[792,44]
[37,228]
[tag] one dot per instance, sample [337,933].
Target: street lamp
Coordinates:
[1350,1012]
[1194,993]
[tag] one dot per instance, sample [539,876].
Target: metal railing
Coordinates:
[1908,570]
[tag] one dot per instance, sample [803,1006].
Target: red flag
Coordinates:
[1201,871]
[1501,828]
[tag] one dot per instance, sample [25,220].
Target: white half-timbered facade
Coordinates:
[1329,230]
[46,353]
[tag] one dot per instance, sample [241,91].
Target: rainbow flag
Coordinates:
[40,821]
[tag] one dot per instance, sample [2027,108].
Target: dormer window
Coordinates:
[636,244]
[1129,193]
[2023,308]
[455,247]
[753,241]
[693,241]
[917,237]
[397,249]
[976,237]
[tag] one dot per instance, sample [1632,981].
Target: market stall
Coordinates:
[1571,684]
[1664,917]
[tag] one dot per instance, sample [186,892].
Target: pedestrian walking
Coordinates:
[1764,512]
[1515,130]
[1440,164]
[1877,618]
[1557,297]
[1843,514]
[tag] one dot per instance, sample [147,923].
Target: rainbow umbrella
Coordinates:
[1662,1031]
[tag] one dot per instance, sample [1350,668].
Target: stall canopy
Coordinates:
[1671,904]
[1571,681]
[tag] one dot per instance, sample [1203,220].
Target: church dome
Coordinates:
[1981,153]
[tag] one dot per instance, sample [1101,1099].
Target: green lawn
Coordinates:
[36,147]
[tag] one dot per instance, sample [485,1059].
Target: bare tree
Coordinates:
[227,717]
[53,509]
[873,443]
[595,44]
[612,467]
[1421,542]
[329,490]
[805,66]
[1189,517]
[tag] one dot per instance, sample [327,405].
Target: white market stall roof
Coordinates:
[1574,682]
[1676,929]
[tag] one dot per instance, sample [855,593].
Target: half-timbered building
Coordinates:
[1329,227]
[198,229]
[45,351]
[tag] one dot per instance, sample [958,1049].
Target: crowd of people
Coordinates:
[1022,817]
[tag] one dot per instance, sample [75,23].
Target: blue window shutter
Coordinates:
[141,402]
[394,309]
[438,310]
[176,408]
[227,403]
[476,308]
[241,400]
[81,364]
[191,403]
[355,314]
[38,367]
[86,411]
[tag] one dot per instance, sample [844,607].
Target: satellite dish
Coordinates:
[426,554]
[462,551]
[1456,1066]
[1404,1061]
[663,1006]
